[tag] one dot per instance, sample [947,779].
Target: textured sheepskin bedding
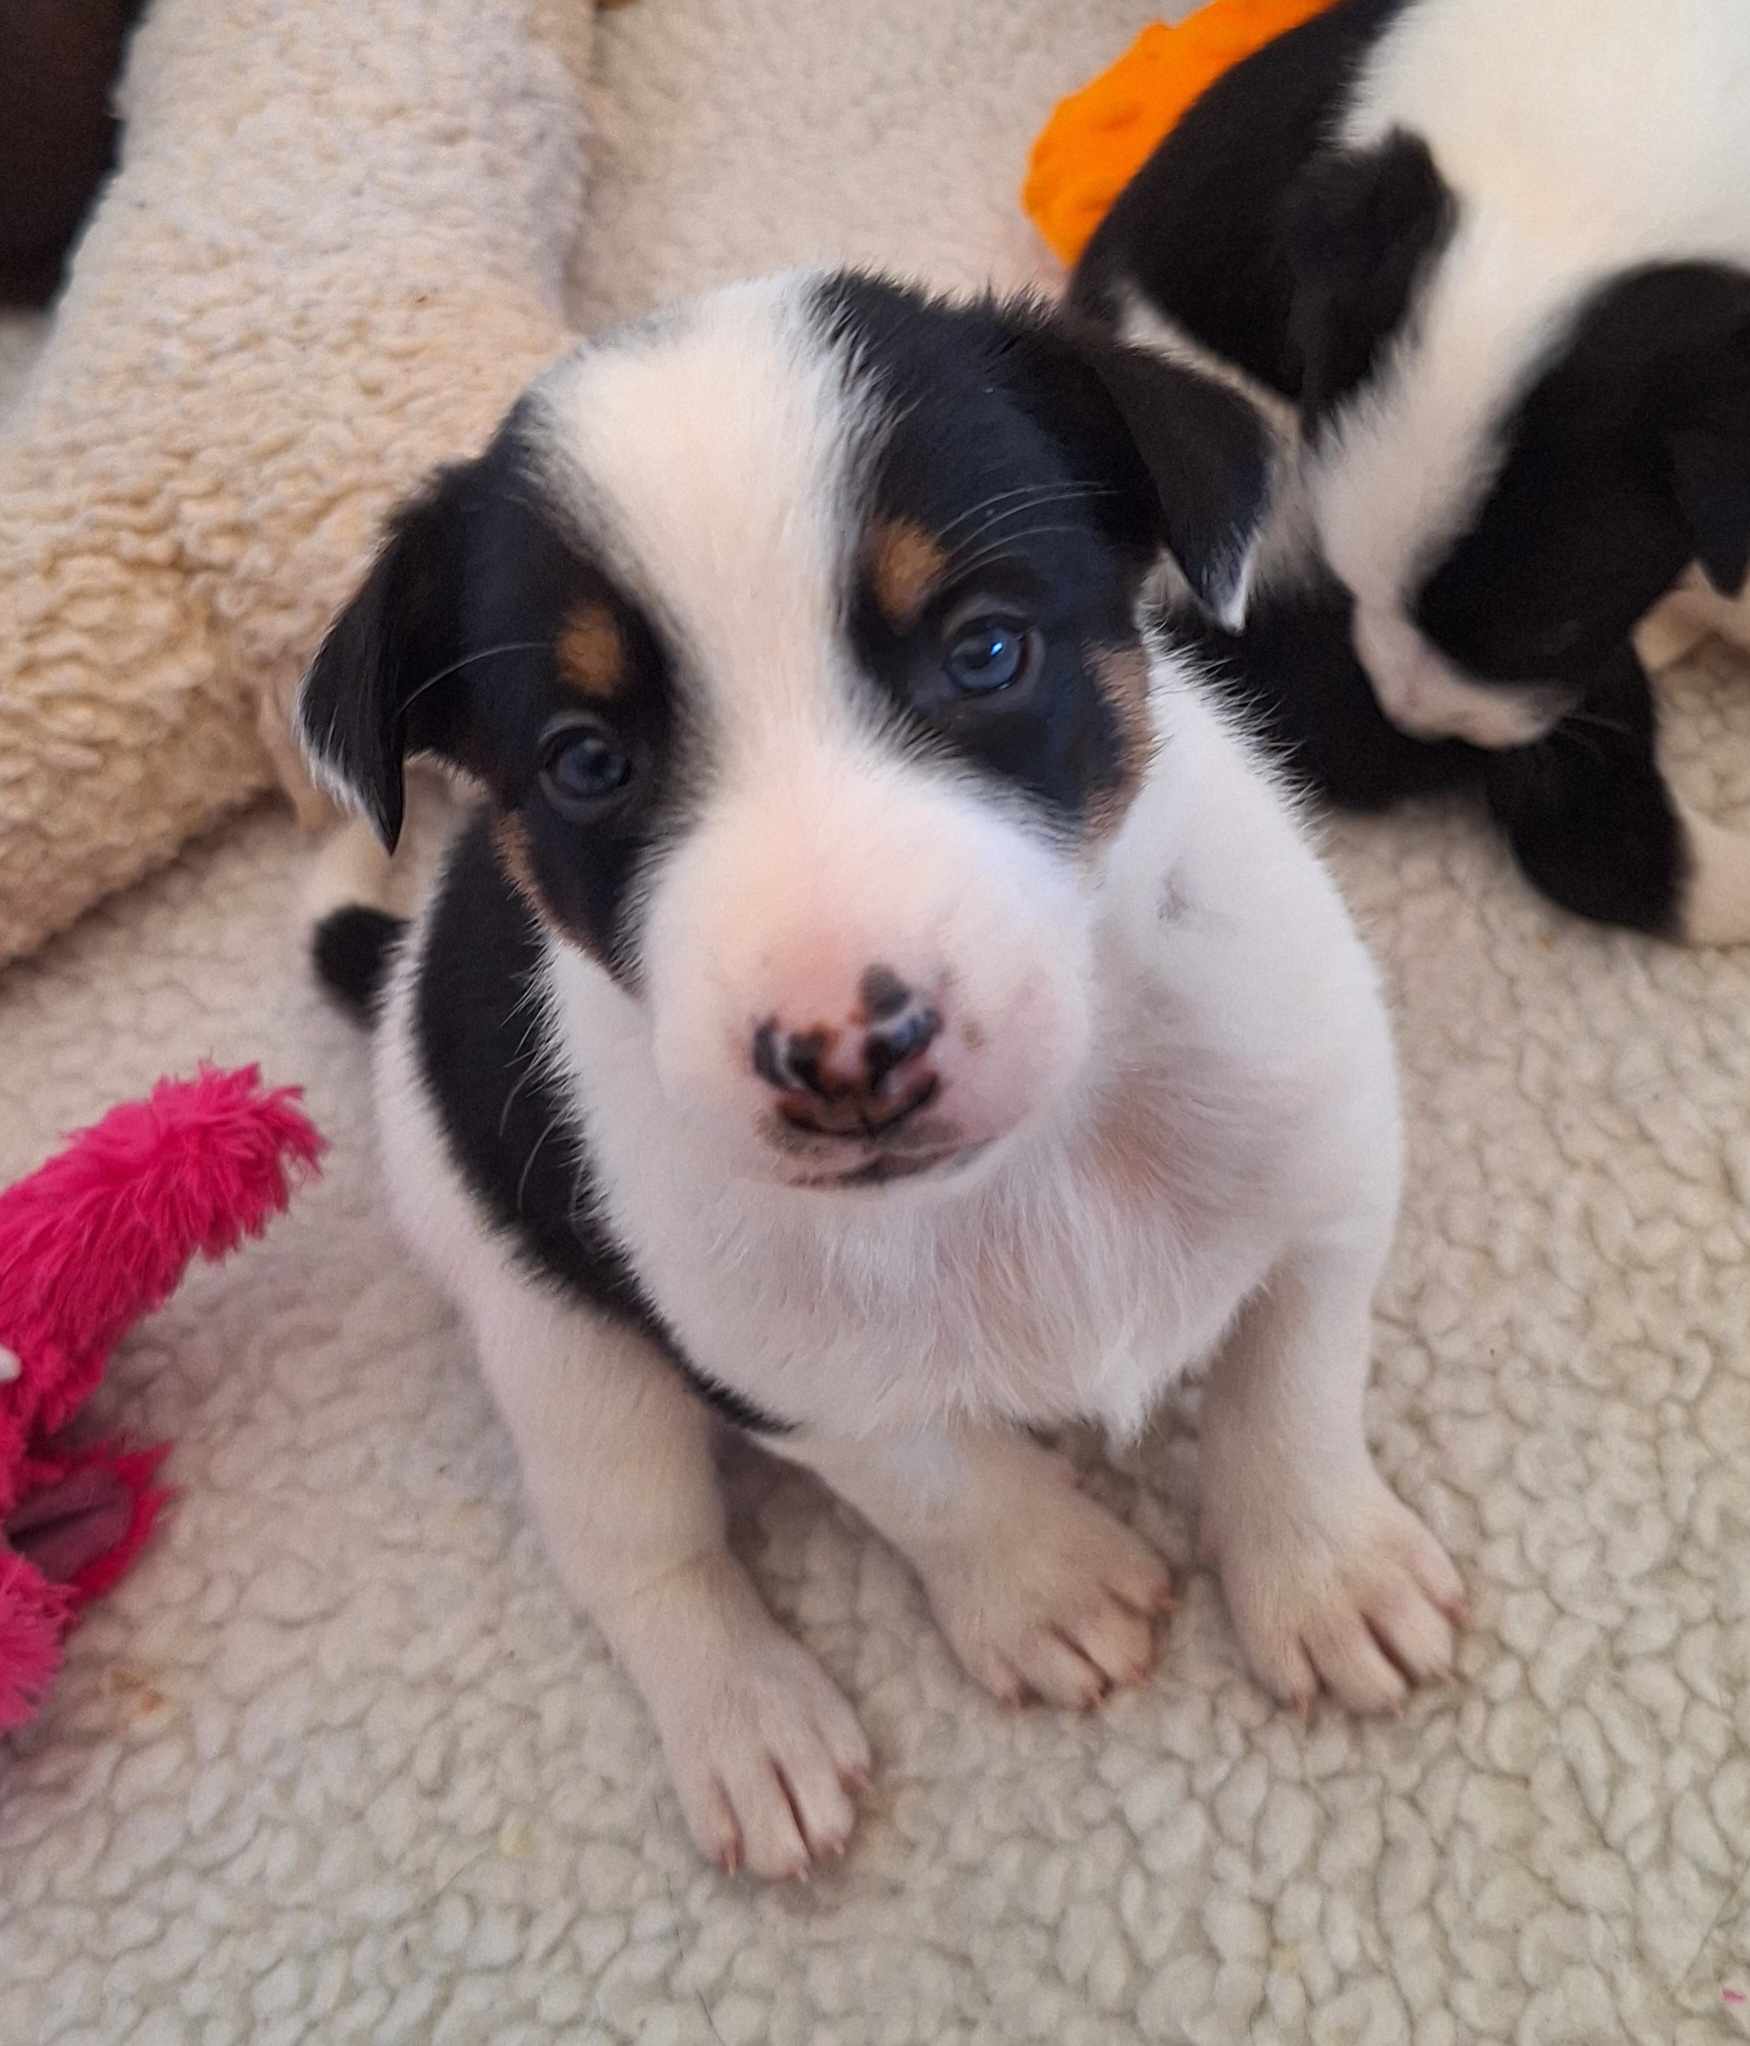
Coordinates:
[338,1763]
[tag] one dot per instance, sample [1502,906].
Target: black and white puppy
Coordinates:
[880,999]
[1496,256]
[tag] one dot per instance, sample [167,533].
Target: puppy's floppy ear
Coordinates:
[1674,341]
[1192,457]
[1709,455]
[1208,453]
[365,706]
[1359,227]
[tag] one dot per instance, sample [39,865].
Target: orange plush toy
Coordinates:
[1099,138]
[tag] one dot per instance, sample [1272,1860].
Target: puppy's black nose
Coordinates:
[860,1080]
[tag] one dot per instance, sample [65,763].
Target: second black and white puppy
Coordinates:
[882,1002]
[1496,257]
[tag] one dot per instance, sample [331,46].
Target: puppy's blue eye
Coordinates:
[988,654]
[583,769]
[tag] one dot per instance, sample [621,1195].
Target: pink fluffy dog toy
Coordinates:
[89,1244]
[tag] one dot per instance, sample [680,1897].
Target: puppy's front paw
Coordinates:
[1360,1601]
[766,1756]
[1056,1600]
[767,1760]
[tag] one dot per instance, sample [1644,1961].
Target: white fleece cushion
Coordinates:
[335,248]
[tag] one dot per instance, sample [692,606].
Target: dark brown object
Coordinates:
[58,65]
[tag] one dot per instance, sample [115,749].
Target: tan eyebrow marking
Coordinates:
[592,651]
[905,563]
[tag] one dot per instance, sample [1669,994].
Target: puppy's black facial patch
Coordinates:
[1591,517]
[588,785]
[993,602]
[589,685]
[1069,730]
[549,672]
[487,635]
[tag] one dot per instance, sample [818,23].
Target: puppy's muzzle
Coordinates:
[862,1080]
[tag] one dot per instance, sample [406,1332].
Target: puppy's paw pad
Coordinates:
[767,1760]
[1363,1611]
[1060,1604]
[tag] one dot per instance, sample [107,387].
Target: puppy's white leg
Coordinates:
[1716,897]
[1038,1589]
[617,1455]
[1332,1582]
[1424,695]
[1693,613]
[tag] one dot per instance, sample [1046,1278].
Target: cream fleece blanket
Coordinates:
[338,1764]
[335,250]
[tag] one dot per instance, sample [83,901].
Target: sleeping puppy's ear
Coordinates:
[1208,453]
[1669,348]
[1360,228]
[367,702]
[1709,455]
[1191,457]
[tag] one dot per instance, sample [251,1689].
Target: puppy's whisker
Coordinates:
[534,1152]
[999,547]
[532,991]
[1044,502]
[1028,494]
[528,1073]
[1596,722]
[511,646]
[1581,741]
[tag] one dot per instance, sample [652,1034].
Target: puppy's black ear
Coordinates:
[1710,477]
[1191,458]
[1359,227]
[1209,454]
[373,694]
[1674,340]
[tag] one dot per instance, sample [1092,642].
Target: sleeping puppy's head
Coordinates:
[793,637]
[1507,470]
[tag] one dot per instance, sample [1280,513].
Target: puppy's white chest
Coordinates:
[1078,1283]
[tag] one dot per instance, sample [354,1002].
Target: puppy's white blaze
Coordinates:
[721,459]
[1566,169]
